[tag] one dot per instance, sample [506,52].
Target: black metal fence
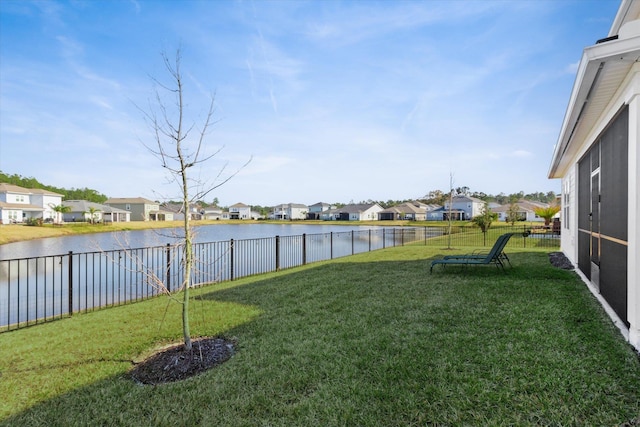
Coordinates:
[36,290]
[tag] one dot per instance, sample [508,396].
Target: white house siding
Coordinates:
[370,214]
[48,202]
[298,212]
[569,215]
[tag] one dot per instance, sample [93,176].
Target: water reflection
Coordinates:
[160,237]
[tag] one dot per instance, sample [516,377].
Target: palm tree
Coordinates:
[547,213]
[92,214]
[59,210]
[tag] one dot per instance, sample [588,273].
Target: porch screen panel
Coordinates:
[614,215]
[584,258]
[584,210]
[614,180]
[613,277]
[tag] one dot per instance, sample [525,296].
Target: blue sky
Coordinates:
[334,101]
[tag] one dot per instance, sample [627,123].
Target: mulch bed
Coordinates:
[558,259]
[176,364]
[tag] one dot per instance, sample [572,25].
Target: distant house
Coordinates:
[141,209]
[355,212]
[212,213]
[442,214]
[525,211]
[85,211]
[317,208]
[597,157]
[239,211]
[463,208]
[412,211]
[195,211]
[256,215]
[289,211]
[18,204]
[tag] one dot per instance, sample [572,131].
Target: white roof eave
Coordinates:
[591,71]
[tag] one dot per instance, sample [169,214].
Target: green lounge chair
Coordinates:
[500,243]
[495,256]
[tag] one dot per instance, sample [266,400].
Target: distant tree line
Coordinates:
[439,197]
[72,194]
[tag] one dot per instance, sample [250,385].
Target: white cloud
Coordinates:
[521,153]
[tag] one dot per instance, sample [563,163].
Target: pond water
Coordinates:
[159,237]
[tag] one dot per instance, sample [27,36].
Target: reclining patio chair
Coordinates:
[500,243]
[495,256]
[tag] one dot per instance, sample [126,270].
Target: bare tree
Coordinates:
[180,146]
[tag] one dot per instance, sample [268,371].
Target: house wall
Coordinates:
[370,214]
[239,212]
[15,198]
[137,211]
[47,202]
[298,212]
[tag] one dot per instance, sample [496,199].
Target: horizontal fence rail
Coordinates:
[40,289]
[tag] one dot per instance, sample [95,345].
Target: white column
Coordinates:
[633,255]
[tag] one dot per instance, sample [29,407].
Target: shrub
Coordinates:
[33,222]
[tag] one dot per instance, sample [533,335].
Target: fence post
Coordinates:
[331,244]
[168,269]
[70,283]
[384,238]
[369,240]
[352,248]
[304,249]
[231,245]
[277,253]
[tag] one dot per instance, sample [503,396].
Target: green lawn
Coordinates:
[368,340]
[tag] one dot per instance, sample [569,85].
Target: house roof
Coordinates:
[85,206]
[239,205]
[407,207]
[10,188]
[130,200]
[16,189]
[457,199]
[601,72]
[44,192]
[212,209]
[20,206]
[357,208]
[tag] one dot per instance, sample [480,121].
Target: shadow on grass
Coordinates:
[386,343]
